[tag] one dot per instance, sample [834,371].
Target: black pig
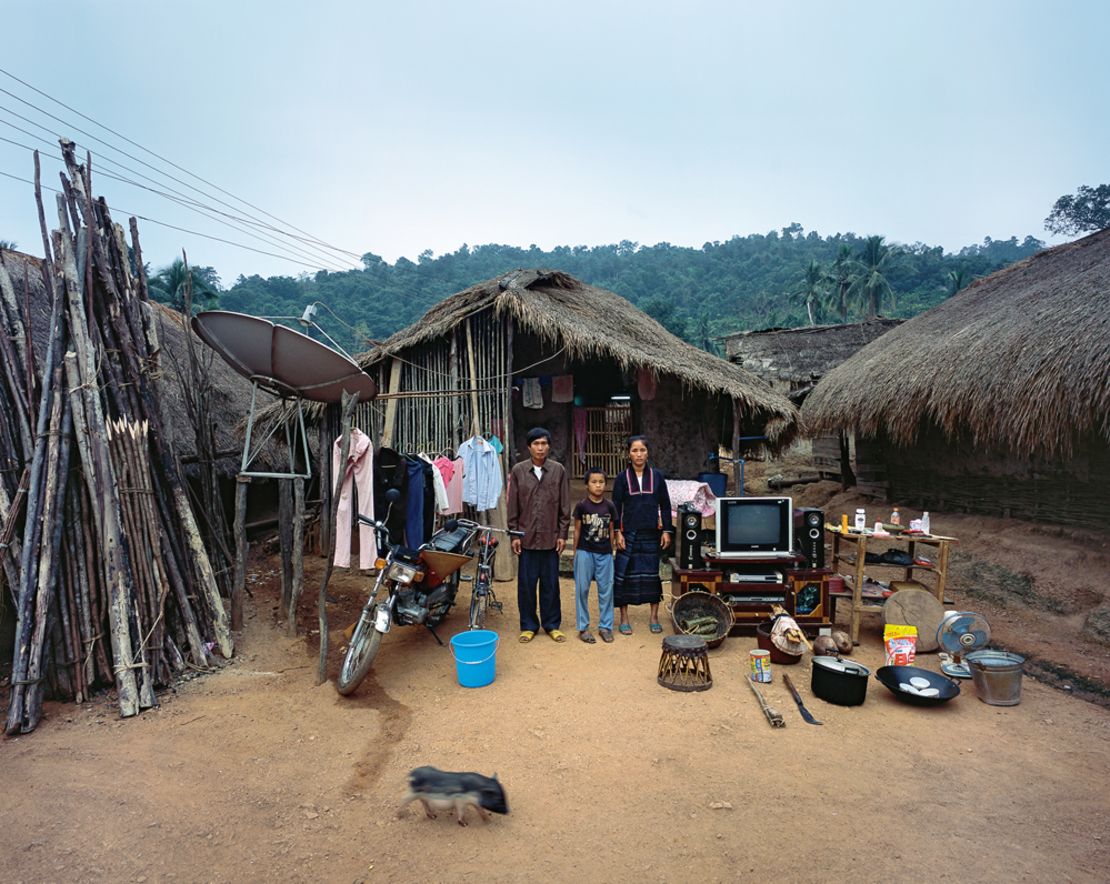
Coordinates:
[443,790]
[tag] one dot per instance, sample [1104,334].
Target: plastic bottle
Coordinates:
[925,522]
[895,517]
[843,523]
[861,519]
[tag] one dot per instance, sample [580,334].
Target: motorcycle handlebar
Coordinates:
[452,524]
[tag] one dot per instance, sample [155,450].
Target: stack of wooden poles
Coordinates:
[100,550]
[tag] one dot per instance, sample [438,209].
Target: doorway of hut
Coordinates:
[592,428]
[602,417]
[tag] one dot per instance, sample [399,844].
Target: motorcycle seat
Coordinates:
[450,541]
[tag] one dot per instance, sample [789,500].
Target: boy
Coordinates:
[594,518]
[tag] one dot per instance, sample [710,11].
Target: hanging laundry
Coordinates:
[439,487]
[358,477]
[562,388]
[530,393]
[646,383]
[497,444]
[414,511]
[482,481]
[454,482]
[391,471]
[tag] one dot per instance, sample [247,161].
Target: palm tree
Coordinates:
[169,285]
[956,280]
[703,334]
[871,284]
[812,290]
[840,275]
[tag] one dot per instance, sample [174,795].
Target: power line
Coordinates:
[165,160]
[150,220]
[143,162]
[322,256]
[185,201]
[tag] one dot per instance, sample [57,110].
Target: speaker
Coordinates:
[809,536]
[689,538]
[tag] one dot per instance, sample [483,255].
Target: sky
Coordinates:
[397,128]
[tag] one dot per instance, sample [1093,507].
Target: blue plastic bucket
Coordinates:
[717,482]
[475,654]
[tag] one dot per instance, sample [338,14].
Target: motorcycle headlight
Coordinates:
[399,572]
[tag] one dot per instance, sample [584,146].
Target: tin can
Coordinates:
[761,666]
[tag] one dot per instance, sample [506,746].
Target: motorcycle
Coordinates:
[417,587]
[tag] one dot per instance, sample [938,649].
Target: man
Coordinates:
[539,505]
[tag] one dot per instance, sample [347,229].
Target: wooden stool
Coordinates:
[684,665]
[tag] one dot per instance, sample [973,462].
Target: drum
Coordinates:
[684,665]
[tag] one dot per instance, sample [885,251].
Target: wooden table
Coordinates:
[843,551]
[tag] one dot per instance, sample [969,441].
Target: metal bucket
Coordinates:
[997,676]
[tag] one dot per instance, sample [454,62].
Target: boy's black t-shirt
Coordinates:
[597,525]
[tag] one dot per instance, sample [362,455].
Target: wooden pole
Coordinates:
[298,554]
[391,404]
[475,427]
[242,549]
[349,401]
[285,538]
[737,485]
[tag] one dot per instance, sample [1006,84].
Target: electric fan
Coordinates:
[959,633]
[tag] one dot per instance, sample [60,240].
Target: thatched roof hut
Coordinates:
[1015,368]
[230,391]
[536,325]
[792,360]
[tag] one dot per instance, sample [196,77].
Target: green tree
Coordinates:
[840,275]
[168,286]
[871,285]
[8,244]
[1086,210]
[665,312]
[812,290]
[956,280]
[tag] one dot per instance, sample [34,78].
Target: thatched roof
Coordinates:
[231,394]
[590,323]
[802,355]
[1019,361]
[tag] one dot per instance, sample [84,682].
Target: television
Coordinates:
[755,527]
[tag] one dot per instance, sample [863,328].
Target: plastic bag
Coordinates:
[901,644]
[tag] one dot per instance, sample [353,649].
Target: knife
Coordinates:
[806,714]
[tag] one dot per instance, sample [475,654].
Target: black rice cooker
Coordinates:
[842,682]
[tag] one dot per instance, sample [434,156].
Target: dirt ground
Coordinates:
[254,773]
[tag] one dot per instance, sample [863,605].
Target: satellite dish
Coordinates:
[286,363]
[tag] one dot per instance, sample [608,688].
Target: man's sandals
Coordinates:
[556,635]
[587,637]
[526,636]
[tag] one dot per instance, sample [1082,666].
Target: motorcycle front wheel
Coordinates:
[360,653]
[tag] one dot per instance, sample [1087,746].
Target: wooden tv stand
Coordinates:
[751,587]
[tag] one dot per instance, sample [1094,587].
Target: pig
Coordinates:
[442,790]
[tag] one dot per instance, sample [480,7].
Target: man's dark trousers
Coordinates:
[538,565]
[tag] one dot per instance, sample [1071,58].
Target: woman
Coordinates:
[644,530]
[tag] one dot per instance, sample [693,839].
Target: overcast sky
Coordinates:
[397,127]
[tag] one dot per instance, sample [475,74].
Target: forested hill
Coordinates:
[783,278]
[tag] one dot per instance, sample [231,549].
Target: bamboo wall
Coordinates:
[436,417]
[942,476]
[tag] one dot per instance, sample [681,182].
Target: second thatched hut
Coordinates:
[996,401]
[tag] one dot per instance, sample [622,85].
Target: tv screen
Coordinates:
[752,527]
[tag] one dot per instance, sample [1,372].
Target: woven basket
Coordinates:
[702,604]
